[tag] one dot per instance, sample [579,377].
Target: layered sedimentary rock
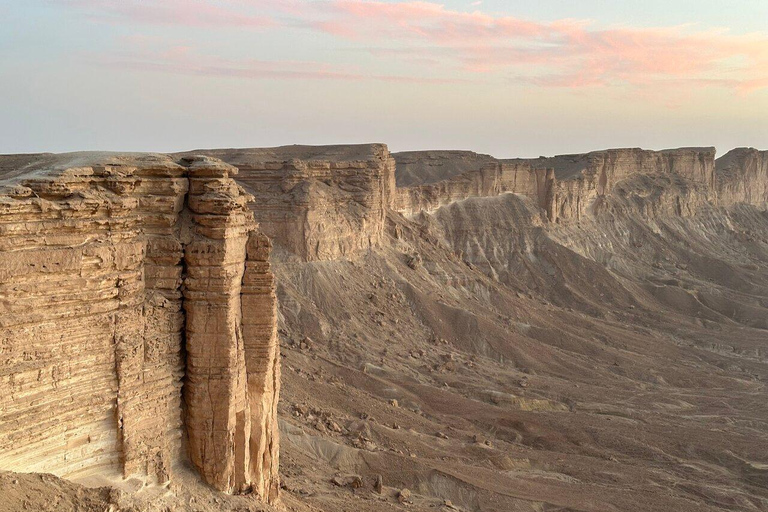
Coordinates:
[424,167]
[124,277]
[580,180]
[321,202]
[490,180]
[742,176]
[565,187]
[232,367]
[95,251]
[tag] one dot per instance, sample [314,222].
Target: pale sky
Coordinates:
[509,78]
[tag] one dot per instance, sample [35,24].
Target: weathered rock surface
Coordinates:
[565,187]
[318,202]
[742,176]
[611,355]
[109,265]
[591,340]
[425,167]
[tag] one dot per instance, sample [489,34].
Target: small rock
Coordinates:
[414,261]
[394,403]
[404,496]
[378,484]
[441,435]
[351,481]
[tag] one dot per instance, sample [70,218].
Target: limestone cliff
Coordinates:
[567,187]
[137,303]
[123,279]
[425,167]
[742,176]
[318,202]
[490,180]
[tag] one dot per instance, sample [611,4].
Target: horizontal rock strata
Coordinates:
[319,203]
[95,252]
[567,187]
[137,304]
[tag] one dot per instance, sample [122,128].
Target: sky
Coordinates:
[509,78]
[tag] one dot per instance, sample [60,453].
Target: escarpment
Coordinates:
[742,176]
[139,320]
[565,187]
[318,202]
[125,278]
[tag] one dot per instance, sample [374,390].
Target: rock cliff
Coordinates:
[742,176]
[565,187]
[318,202]
[123,279]
[138,312]
[425,167]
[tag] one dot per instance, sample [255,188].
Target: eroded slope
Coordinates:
[491,357]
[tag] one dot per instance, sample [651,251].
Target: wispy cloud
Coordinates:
[189,13]
[562,53]
[147,53]
[570,53]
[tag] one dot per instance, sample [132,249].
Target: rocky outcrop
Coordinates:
[424,167]
[742,176]
[137,304]
[318,202]
[581,180]
[493,179]
[566,187]
[122,278]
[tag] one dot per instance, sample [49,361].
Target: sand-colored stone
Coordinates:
[318,202]
[565,187]
[109,263]
[124,276]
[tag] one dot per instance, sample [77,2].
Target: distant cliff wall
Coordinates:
[742,176]
[565,187]
[492,179]
[318,202]
[122,277]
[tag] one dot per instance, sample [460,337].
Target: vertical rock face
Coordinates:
[581,180]
[566,187]
[424,167]
[262,366]
[95,252]
[230,338]
[137,304]
[742,176]
[319,203]
[490,180]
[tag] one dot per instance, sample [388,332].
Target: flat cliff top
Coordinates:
[571,166]
[24,166]
[335,153]
[416,168]
[423,167]
[413,167]
[735,157]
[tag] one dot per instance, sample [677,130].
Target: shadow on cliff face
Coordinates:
[487,362]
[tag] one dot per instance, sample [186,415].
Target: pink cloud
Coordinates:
[567,52]
[145,54]
[190,13]
[562,53]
